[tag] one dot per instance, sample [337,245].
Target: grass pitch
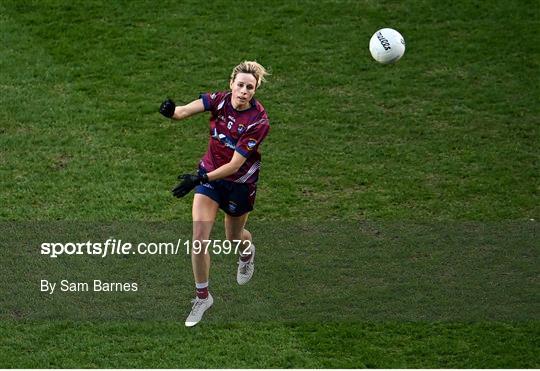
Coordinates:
[431,164]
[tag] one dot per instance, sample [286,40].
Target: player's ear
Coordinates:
[231,82]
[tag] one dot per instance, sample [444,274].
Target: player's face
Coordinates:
[243,89]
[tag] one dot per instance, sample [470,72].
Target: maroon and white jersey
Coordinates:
[232,130]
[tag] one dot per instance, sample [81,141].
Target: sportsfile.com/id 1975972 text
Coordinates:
[113,246]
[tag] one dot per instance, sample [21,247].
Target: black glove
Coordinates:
[167,108]
[189,181]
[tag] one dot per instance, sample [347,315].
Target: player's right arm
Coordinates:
[171,110]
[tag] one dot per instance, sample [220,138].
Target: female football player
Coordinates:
[227,175]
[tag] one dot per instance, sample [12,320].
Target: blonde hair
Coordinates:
[253,68]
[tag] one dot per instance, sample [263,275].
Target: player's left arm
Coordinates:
[190,181]
[248,143]
[229,168]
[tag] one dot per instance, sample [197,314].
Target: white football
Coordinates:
[387,46]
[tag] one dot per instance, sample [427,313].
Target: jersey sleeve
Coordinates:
[252,138]
[212,100]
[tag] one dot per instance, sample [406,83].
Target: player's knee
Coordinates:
[199,236]
[202,229]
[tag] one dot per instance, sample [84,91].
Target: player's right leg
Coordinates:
[204,213]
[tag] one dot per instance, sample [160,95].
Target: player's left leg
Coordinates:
[235,230]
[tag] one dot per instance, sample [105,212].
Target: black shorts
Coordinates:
[235,199]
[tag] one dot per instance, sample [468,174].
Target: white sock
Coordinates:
[250,249]
[201,285]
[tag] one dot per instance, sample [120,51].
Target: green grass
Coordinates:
[361,345]
[335,272]
[416,180]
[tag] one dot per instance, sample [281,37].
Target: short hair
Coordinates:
[253,68]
